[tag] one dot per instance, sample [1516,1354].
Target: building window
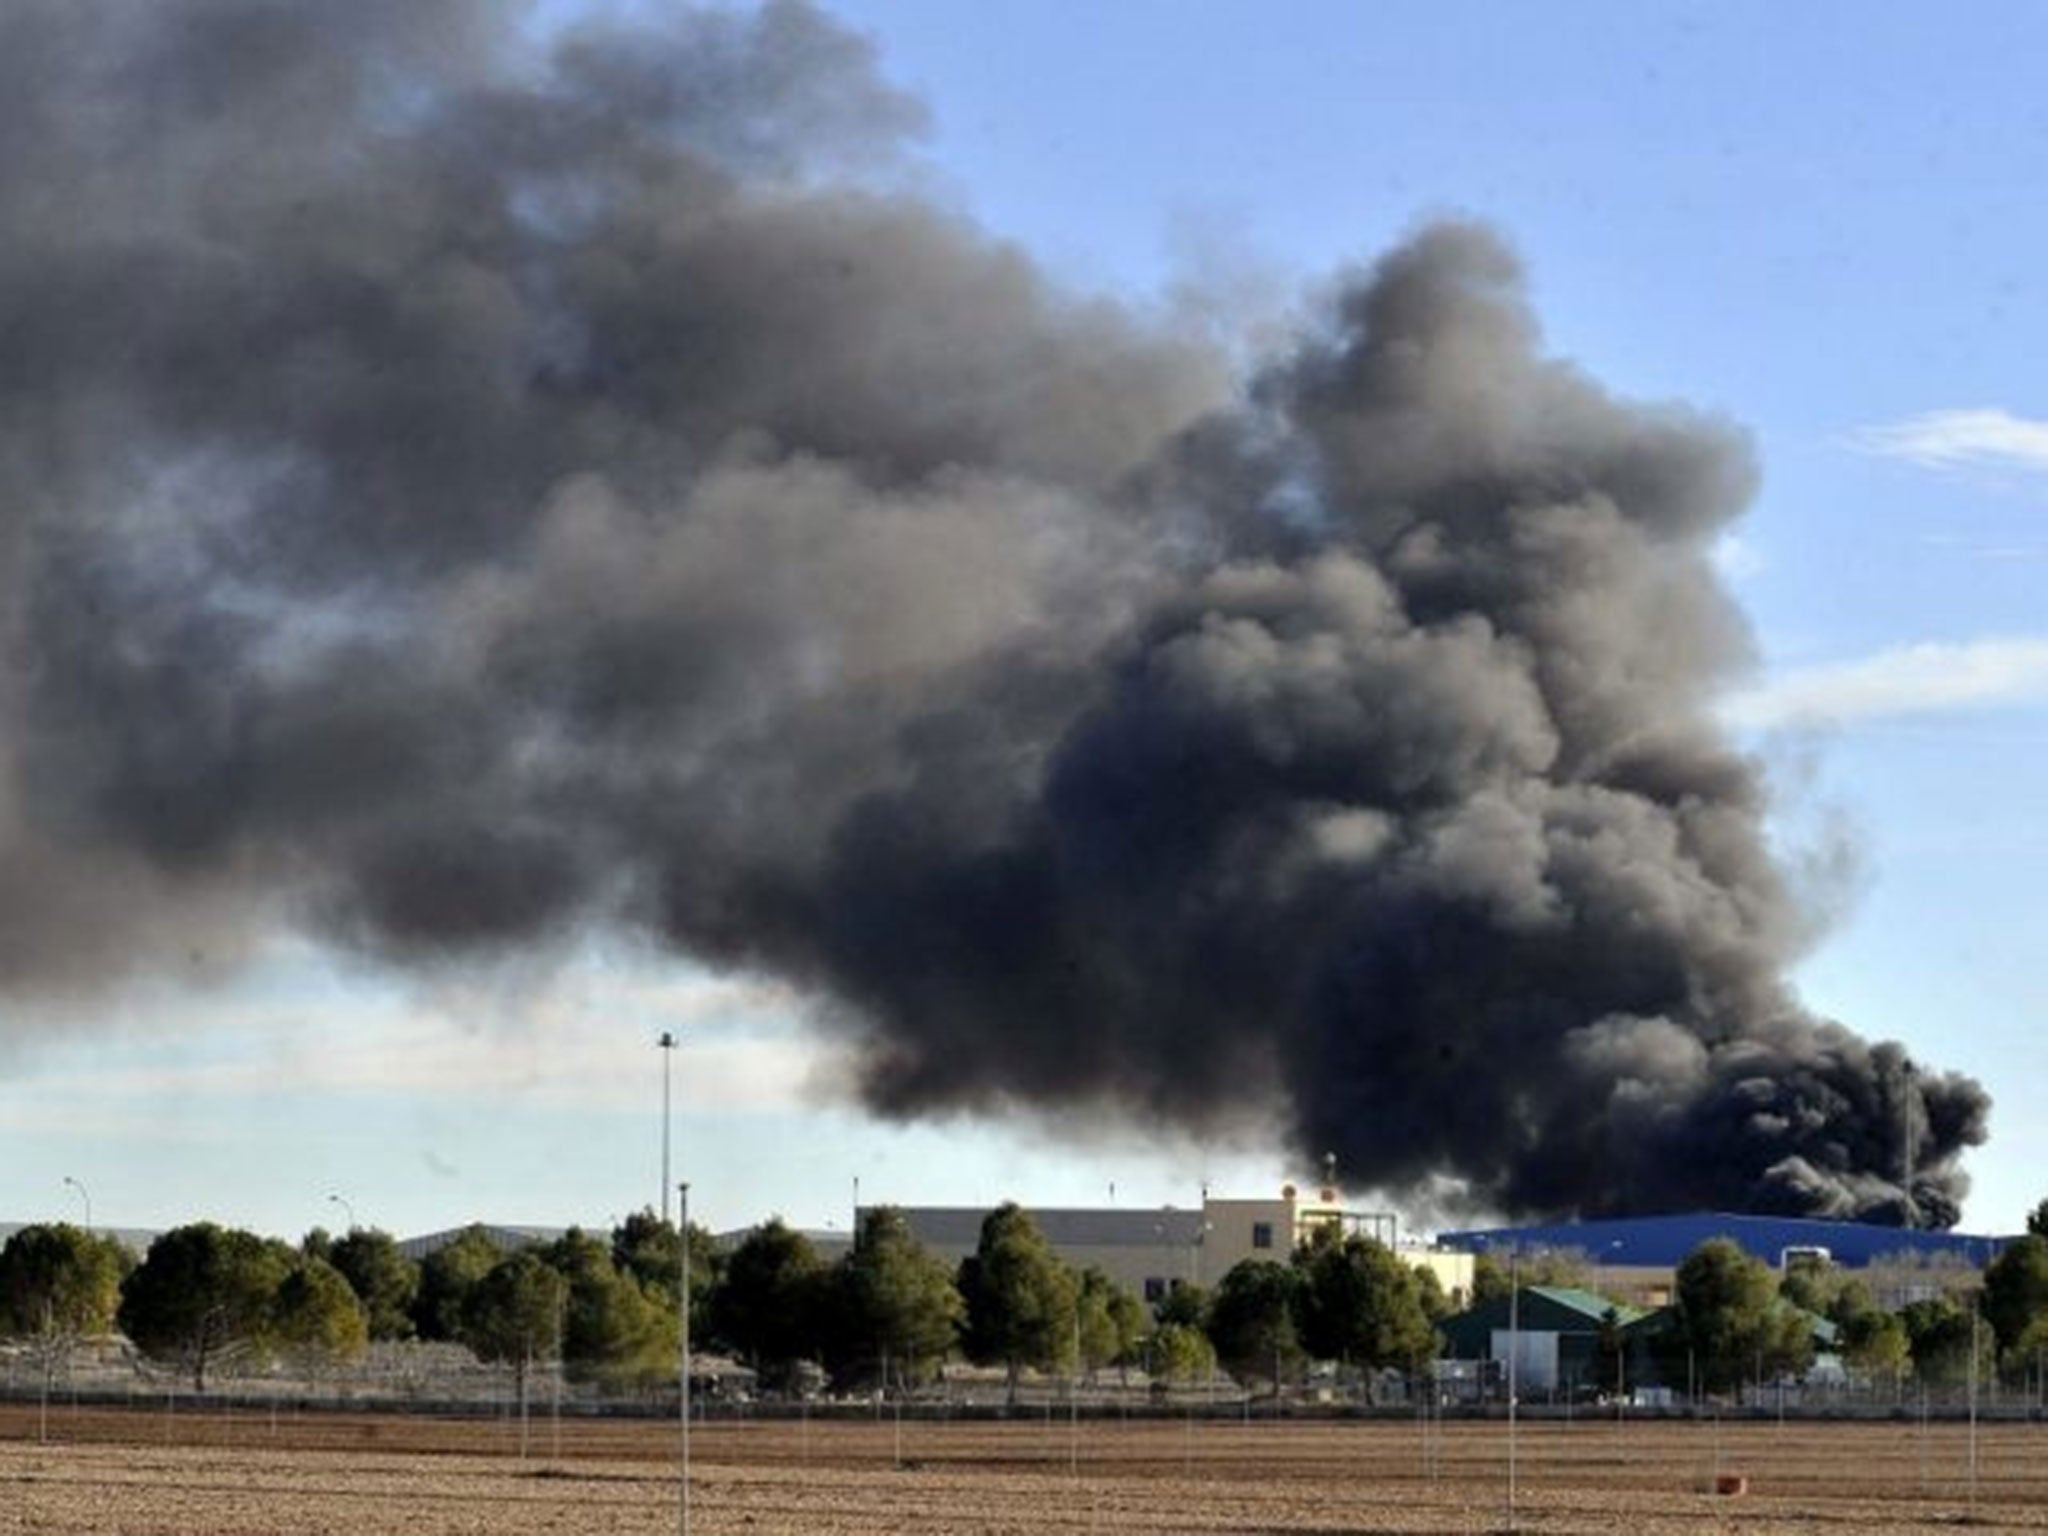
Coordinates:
[1262,1234]
[1155,1289]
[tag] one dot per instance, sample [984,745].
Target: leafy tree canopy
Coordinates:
[1252,1321]
[1020,1296]
[771,1301]
[203,1292]
[447,1276]
[60,1281]
[613,1330]
[515,1312]
[1944,1335]
[1109,1322]
[1186,1305]
[651,1250]
[893,1302]
[384,1280]
[2016,1288]
[1874,1343]
[1359,1302]
[1181,1352]
[318,1316]
[1730,1318]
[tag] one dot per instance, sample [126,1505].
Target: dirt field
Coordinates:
[193,1473]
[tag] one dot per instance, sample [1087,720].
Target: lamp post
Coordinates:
[1514,1366]
[683,1289]
[667,1042]
[84,1195]
[347,1210]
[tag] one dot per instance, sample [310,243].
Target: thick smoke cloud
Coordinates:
[457,487]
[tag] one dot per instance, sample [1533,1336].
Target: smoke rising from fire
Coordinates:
[457,488]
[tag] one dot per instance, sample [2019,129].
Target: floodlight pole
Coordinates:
[1514,1365]
[667,1042]
[86,1196]
[683,1506]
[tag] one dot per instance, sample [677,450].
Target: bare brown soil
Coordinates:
[197,1472]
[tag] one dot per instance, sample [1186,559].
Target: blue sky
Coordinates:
[1824,221]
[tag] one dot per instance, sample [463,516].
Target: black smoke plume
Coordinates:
[460,485]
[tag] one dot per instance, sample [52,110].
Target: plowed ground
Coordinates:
[198,1472]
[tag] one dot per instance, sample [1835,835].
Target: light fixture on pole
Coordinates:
[347,1210]
[84,1195]
[667,1042]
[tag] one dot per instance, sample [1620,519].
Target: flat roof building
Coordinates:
[1150,1251]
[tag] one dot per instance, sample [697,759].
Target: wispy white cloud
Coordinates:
[578,1040]
[1908,680]
[1967,439]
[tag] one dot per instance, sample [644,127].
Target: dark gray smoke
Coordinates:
[459,488]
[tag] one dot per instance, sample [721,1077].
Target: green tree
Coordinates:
[2037,1220]
[1020,1297]
[1436,1301]
[771,1301]
[1852,1299]
[1109,1322]
[514,1314]
[1944,1332]
[613,1330]
[383,1278]
[895,1313]
[651,1250]
[317,1317]
[2027,1357]
[447,1276]
[1874,1343]
[1185,1305]
[204,1293]
[59,1285]
[1252,1321]
[1729,1316]
[1358,1302]
[2016,1288]
[1180,1352]
[1812,1284]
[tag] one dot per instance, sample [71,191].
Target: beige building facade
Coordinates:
[1150,1251]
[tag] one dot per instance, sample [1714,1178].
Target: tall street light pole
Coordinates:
[84,1195]
[683,1288]
[347,1210]
[667,1042]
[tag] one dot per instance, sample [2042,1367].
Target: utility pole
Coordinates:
[667,1042]
[683,1507]
[1514,1365]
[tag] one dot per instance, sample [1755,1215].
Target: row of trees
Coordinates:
[205,1295]
[888,1312]
[1960,1327]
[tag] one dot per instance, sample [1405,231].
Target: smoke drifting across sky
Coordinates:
[459,489]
